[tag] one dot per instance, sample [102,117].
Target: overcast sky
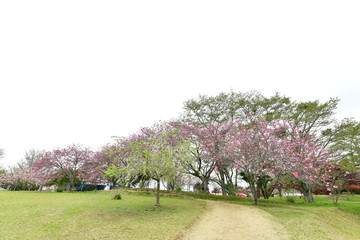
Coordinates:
[83,71]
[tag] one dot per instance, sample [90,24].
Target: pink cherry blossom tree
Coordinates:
[215,138]
[271,148]
[256,149]
[22,175]
[18,179]
[70,162]
[309,163]
[199,165]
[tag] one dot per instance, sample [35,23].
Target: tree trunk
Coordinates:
[142,183]
[258,192]
[264,192]
[114,182]
[307,191]
[254,192]
[271,193]
[236,178]
[230,186]
[310,196]
[222,183]
[205,185]
[280,193]
[71,185]
[158,193]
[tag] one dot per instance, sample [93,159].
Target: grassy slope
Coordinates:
[50,215]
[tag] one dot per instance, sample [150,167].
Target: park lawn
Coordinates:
[320,220]
[93,215]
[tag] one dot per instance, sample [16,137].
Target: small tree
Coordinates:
[158,153]
[117,156]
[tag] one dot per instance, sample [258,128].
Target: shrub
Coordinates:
[290,199]
[117,196]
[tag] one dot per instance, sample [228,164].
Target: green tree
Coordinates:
[313,117]
[229,106]
[347,139]
[157,153]
[30,157]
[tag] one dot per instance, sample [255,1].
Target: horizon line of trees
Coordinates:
[268,142]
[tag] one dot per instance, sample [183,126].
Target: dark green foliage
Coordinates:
[62,182]
[198,188]
[117,196]
[290,199]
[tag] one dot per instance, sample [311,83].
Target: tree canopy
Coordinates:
[227,139]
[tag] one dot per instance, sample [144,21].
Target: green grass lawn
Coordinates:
[320,220]
[93,215]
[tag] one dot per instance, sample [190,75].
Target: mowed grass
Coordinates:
[93,215]
[320,220]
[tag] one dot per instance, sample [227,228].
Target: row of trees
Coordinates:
[64,167]
[268,142]
[310,120]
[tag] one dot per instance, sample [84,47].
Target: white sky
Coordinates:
[83,71]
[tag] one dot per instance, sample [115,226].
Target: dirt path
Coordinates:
[232,221]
